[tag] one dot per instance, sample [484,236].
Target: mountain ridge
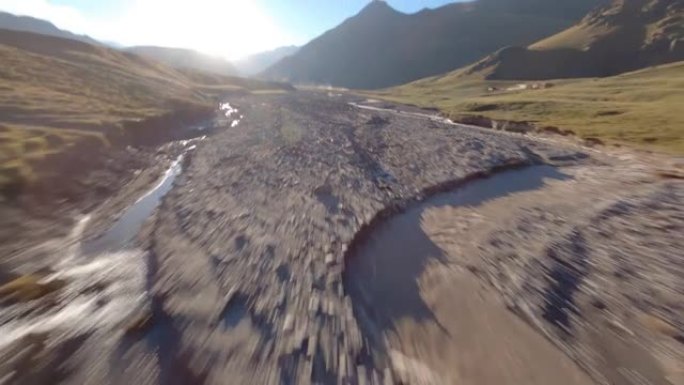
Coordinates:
[255,63]
[624,36]
[381,47]
[184,58]
[23,23]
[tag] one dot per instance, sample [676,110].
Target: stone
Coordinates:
[288,324]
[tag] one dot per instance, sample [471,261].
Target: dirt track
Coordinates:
[246,260]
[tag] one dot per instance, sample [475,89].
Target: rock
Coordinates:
[670,173]
[376,120]
[329,259]
[361,375]
[591,142]
[387,377]
[288,324]
[475,120]
[513,126]
[658,325]
[551,130]
[518,127]
[140,323]
[314,303]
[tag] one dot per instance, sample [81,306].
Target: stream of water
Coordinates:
[105,276]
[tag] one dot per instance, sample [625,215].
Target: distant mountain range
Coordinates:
[31,24]
[256,63]
[186,59]
[625,36]
[175,57]
[506,39]
[381,47]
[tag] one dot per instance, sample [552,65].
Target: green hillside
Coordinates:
[641,109]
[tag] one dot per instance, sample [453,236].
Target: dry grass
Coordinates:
[56,92]
[641,109]
[576,37]
[28,288]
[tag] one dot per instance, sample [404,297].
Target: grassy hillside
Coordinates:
[57,94]
[641,109]
[626,36]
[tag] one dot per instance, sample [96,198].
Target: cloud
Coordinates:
[230,28]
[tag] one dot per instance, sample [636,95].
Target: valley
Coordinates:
[485,192]
[244,269]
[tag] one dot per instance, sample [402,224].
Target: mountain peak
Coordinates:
[378,6]
[381,47]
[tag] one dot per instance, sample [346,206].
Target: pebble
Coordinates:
[288,324]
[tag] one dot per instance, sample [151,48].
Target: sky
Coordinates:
[227,28]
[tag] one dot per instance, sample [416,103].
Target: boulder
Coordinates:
[376,120]
[517,127]
[551,130]
[475,120]
[591,142]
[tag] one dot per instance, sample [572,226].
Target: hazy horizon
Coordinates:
[203,25]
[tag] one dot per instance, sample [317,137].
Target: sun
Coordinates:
[227,28]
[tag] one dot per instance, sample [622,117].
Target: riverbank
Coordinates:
[247,260]
[636,109]
[91,285]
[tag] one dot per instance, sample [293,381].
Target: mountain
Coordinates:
[31,24]
[380,46]
[186,58]
[258,62]
[625,36]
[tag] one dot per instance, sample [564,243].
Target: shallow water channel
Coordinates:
[382,272]
[106,277]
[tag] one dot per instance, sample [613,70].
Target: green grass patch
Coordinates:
[642,109]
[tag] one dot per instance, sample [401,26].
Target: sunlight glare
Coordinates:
[227,28]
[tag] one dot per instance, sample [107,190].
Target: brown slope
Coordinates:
[186,59]
[61,98]
[381,47]
[628,35]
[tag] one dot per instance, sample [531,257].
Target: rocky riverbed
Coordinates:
[259,266]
